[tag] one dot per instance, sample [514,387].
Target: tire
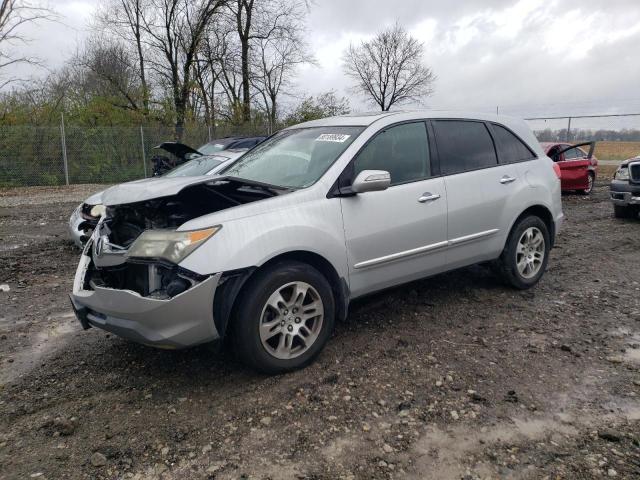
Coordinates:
[592,181]
[517,248]
[624,211]
[272,349]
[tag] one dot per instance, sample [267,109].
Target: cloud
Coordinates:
[530,57]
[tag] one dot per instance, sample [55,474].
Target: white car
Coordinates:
[85,217]
[276,246]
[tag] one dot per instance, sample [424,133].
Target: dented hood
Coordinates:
[150,188]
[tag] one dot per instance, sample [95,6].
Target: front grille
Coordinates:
[634,172]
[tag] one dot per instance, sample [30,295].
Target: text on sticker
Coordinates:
[332,137]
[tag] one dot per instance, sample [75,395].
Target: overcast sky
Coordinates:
[529,57]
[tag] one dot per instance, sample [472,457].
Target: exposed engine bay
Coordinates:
[126,222]
[123,224]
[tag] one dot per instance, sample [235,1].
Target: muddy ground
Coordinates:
[455,376]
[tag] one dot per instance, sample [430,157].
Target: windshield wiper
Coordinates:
[267,187]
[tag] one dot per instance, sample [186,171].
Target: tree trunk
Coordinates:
[143,76]
[273,115]
[246,93]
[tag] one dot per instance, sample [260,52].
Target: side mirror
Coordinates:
[371,181]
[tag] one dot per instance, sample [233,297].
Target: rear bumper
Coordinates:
[559,222]
[182,321]
[624,193]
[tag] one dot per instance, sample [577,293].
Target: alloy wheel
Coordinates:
[291,320]
[589,184]
[530,252]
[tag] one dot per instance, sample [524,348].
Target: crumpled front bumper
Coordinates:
[182,321]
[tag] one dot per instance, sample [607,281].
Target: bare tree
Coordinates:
[275,66]
[255,22]
[174,30]
[124,18]
[388,69]
[277,60]
[109,71]
[14,14]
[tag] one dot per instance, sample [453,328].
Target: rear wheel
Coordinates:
[284,317]
[591,179]
[624,211]
[524,258]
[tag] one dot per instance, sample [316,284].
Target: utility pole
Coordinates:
[64,150]
[144,154]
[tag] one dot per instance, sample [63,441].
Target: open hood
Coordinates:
[149,188]
[178,149]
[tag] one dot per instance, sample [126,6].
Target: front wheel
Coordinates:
[284,318]
[525,256]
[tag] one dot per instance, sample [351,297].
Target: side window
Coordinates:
[402,150]
[463,145]
[510,148]
[572,154]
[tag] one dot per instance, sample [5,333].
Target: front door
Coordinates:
[399,234]
[574,168]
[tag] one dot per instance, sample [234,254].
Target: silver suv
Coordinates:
[271,251]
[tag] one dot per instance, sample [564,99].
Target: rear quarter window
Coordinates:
[510,148]
[463,145]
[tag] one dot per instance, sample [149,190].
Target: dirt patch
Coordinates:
[454,376]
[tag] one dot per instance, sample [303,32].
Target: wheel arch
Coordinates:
[544,214]
[225,302]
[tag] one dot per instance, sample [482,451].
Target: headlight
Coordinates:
[169,244]
[97,211]
[622,174]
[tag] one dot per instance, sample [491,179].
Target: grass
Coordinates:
[616,150]
[605,172]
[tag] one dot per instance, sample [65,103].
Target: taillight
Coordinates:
[556,169]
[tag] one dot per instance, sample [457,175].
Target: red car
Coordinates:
[578,169]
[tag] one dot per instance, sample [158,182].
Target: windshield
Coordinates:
[294,158]
[210,148]
[197,166]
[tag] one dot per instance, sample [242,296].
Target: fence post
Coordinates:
[569,130]
[64,149]
[144,154]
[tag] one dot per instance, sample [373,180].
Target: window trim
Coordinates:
[470,120]
[491,126]
[341,187]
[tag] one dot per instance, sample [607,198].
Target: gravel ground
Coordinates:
[454,376]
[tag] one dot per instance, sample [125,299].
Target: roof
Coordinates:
[366,119]
[517,125]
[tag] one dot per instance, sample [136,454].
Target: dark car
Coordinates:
[182,153]
[227,143]
[625,189]
[578,169]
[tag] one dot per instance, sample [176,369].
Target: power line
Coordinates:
[586,116]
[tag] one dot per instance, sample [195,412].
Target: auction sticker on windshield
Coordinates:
[332,137]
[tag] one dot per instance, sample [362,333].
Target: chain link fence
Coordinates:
[70,154]
[67,154]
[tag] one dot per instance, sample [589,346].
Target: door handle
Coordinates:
[507,179]
[428,197]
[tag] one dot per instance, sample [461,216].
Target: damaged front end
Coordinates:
[129,280]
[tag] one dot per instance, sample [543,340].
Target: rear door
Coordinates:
[478,190]
[398,234]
